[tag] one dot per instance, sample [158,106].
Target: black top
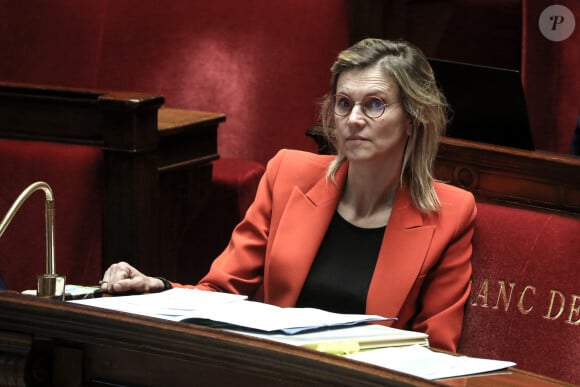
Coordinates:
[340,276]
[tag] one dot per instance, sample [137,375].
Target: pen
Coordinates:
[81,293]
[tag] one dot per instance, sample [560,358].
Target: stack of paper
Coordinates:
[224,309]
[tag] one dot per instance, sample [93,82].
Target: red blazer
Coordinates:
[423,271]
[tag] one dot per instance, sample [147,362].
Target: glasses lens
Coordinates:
[373,106]
[342,105]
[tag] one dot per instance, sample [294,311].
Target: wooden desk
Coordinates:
[71,345]
[157,162]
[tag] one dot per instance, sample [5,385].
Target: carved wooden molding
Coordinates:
[531,178]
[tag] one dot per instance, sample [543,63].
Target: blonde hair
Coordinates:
[422,101]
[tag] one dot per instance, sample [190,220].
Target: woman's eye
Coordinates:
[343,102]
[374,103]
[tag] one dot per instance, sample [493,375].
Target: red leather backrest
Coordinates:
[525,301]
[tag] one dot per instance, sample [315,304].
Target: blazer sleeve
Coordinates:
[447,285]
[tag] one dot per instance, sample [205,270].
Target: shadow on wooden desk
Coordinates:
[45,342]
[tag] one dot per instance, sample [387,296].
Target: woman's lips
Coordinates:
[356,138]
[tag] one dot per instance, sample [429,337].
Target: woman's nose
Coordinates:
[356,114]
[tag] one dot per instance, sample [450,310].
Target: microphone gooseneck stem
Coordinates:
[49,219]
[49,223]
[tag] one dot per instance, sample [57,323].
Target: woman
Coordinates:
[367,230]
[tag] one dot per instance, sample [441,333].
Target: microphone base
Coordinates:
[51,286]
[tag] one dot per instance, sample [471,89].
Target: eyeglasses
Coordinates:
[372,106]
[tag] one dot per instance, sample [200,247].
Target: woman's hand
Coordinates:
[122,277]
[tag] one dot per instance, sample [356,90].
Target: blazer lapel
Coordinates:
[299,234]
[302,227]
[401,257]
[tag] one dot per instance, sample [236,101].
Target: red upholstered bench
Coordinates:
[525,301]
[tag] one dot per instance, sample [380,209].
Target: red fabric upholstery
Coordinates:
[233,189]
[75,176]
[525,301]
[264,64]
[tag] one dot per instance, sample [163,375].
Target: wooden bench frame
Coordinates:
[157,161]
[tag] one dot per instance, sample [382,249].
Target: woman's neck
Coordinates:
[368,195]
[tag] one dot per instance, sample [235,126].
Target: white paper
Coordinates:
[269,318]
[181,304]
[170,305]
[425,363]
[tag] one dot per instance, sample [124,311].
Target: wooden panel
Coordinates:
[532,178]
[59,114]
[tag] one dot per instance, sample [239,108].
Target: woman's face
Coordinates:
[363,138]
